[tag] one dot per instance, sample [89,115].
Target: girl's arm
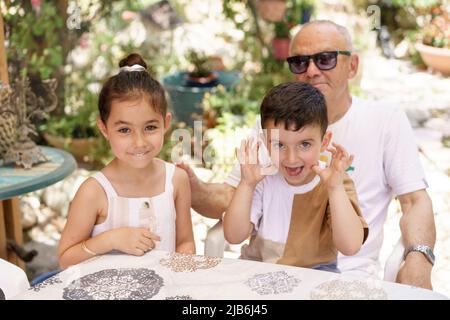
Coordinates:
[83,211]
[184,235]
[88,202]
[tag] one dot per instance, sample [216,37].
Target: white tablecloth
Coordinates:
[163,275]
[13,280]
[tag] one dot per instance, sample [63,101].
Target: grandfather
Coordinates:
[386,161]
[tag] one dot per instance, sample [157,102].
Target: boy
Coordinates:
[303,214]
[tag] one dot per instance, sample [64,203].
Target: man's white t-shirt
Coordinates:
[386,164]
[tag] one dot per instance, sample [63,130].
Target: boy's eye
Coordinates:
[277,145]
[305,145]
[124,130]
[151,128]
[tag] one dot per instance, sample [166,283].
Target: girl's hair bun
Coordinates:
[132,59]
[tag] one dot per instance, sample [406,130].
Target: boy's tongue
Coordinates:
[294,171]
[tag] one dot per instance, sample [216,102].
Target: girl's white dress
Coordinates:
[155,213]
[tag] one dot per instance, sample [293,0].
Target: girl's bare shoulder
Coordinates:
[91,190]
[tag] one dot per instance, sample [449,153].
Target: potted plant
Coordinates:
[280,43]
[201,74]
[307,8]
[435,46]
[76,132]
[187,88]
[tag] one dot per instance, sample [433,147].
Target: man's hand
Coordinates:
[416,271]
[193,179]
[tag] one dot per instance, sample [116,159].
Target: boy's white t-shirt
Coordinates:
[272,206]
[386,164]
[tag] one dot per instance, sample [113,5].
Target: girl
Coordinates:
[137,202]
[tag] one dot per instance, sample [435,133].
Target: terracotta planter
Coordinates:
[79,148]
[281,48]
[436,58]
[271,10]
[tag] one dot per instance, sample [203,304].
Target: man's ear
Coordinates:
[167,120]
[102,127]
[326,141]
[354,64]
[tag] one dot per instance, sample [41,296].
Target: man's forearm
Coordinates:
[417,226]
[211,199]
[417,222]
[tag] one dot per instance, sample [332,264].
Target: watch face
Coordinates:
[427,251]
[430,253]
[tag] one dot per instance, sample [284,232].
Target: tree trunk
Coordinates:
[62,6]
[3,64]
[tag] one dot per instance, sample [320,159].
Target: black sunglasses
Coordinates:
[326,60]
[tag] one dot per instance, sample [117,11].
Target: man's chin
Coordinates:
[320,85]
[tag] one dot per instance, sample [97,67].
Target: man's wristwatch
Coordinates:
[426,250]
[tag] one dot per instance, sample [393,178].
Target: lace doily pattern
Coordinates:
[272,283]
[179,262]
[346,290]
[50,281]
[115,284]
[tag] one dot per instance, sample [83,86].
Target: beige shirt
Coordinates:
[309,240]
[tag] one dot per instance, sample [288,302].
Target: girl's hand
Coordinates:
[251,170]
[135,241]
[333,175]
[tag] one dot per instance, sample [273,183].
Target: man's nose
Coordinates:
[312,70]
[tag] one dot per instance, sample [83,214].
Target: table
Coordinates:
[15,181]
[174,276]
[13,280]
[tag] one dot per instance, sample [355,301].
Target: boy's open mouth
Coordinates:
[294,171]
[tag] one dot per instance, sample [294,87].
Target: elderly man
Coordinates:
[386,160]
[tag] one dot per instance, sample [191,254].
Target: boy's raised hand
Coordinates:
[333,175]
[132,240]
[251,170]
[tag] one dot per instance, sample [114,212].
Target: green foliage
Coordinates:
[252,45]
[235,101]
[101,154]
[199,62]
[412,3]
[103,45]
[282,30]
[34,38]
[80,123]
[446,141]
